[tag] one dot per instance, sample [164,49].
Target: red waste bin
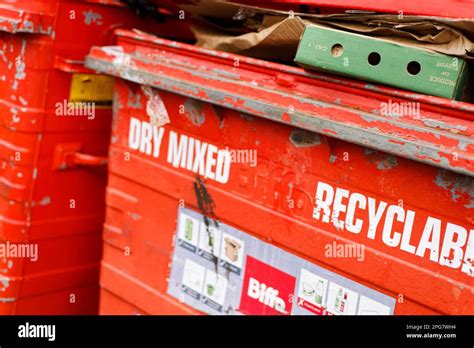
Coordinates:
[274,190]
[53,173]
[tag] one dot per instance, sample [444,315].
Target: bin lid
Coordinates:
[16,19]
[440,134]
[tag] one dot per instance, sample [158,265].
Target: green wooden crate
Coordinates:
[381,61]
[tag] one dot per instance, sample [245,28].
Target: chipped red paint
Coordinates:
[37,60]
[26,18]
[273,201]
[261,106]
[441,133]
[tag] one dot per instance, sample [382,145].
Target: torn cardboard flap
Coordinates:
[277,42]
[229,10]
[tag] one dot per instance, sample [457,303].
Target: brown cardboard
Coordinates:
[438,34]
[277,42]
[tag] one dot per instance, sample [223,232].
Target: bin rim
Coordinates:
[14,19]
[442,136]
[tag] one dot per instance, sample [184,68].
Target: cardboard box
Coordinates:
[381,61]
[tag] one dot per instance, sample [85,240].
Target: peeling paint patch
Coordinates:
[460,187]
[45,201]
[28,26]
[23,101]
[226,73]
[383,160]
[121,62]
[20,66]
[367,118]
[304,138]
[7,299]
[91,17]
[134,100]
[194,111]
[135,216]
[117,105]
[14,113]
[155,107]
[441,125]
[2,53]
[5,283]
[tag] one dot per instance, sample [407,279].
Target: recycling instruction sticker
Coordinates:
[218,269]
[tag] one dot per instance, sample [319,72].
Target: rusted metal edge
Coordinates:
[14,20]
[351,125]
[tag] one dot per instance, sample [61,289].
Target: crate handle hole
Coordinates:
[374,58]
[413,68]
[336,50]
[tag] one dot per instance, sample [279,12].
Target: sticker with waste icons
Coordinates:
[218,269]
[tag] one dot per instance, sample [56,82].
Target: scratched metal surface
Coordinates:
[145,191]
[440,135]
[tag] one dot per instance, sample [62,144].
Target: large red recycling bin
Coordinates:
[53,173]
[279,191]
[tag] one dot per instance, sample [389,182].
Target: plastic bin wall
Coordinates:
[323,169]
[53,163]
